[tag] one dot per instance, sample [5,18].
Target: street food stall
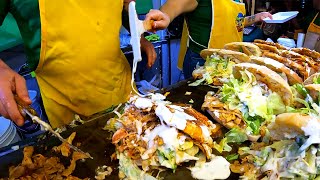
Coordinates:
[251,111]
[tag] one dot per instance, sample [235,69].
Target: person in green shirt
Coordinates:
[74,48]
[210,24]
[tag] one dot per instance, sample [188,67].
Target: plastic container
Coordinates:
[8,133]
[289,43]
[282,17]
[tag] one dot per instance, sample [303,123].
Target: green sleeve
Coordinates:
[4,9]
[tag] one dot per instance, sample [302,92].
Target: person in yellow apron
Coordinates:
[82,69]
[209,24]
[312,39]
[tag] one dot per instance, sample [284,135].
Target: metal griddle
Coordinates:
[97,141]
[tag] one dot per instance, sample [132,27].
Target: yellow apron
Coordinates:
[82,69]
[227,26]
[312,40]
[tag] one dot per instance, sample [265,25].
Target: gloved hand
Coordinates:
[12,83]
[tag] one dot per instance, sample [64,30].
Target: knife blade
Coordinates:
[28,111]
[47,127]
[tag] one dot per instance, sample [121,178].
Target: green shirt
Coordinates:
[309,19]
[199,25]
[26,13]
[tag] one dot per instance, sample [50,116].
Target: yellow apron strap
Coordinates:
[312,39]
[183,45]
[313,27]
[225,13]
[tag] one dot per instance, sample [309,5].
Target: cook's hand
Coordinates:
[260,16]
[160,20]
[148,48]
[12,83]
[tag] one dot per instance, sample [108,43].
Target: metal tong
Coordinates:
[29,113]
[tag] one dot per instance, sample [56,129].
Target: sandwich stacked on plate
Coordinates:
[273,101]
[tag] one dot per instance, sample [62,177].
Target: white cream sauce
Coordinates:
[205,131]
[312,129]
[217,168]
[168,135]
[176,119]
[143,103]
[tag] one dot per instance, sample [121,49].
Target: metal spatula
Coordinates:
[30,112]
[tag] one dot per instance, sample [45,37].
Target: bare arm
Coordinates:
[174,8]
[11,83]
[170,10]
[249,20]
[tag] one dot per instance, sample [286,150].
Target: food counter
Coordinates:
[97,141]
[259,97]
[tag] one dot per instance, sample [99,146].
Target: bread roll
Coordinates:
[265,75]
[245,47]
[293,78]
[237,57]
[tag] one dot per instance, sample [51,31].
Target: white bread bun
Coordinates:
[245,47]
[265,75]
[288,125]
[237,57]
[309,80]
[293,77]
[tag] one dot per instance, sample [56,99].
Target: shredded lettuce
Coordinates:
[167,158]
[301,89]
[283,160]
[131,170]
[253,124]
[235,135]
[232,157]
[215,66]
[275,104]
[205,76]
[256,103]
[316,80]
